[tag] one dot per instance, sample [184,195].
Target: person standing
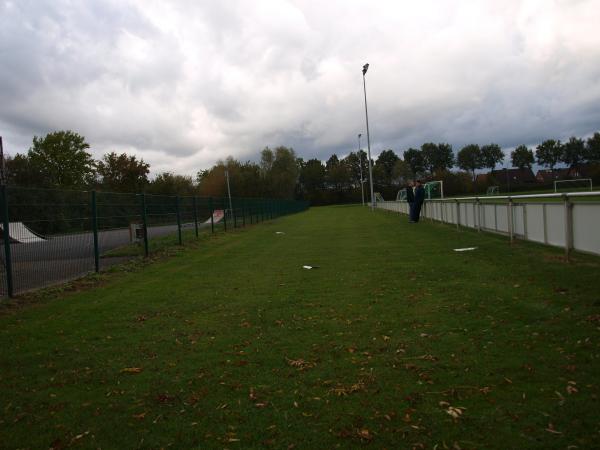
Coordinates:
[419,199]
[410,199]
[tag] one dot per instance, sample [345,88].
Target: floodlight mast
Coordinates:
[364,72]
[362,184]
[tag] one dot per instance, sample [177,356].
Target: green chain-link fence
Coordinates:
[51,236]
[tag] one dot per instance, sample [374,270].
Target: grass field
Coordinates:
[394,341]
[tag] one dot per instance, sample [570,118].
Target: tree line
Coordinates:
[61,160]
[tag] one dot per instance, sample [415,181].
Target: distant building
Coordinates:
[513,176]
[549,176]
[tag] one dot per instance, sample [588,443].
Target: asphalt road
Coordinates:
[66,257]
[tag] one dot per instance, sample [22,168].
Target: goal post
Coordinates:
[493,190]
[434,189]
[401,196]
[580,184]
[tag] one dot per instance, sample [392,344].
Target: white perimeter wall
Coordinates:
[562,224]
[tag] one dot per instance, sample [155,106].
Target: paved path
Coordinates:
[63,258]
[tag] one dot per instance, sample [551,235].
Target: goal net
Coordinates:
[378,197]
[579,184]
[401,196]
[434,189]
[493,190]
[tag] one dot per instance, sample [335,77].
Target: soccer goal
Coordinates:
[378,197]
[434,189]
[493,190]
[401,196]
[577,184]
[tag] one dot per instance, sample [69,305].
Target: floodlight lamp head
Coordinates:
[365,68]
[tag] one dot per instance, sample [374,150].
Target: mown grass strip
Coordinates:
[395,341]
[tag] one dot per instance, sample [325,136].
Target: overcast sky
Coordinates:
[184,83]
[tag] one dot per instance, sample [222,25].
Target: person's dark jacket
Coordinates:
[419,194]
[410,195]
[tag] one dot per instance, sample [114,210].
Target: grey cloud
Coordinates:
[185,83]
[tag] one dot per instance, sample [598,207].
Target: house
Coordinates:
[587,170]
[513,176]
[547,176]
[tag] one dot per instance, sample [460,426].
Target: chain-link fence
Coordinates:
[52,236]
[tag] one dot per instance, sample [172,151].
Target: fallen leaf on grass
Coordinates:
[300,364]
[78,437]
[455,412]
[131,370]
[140,416]
[551,429]
[364,434]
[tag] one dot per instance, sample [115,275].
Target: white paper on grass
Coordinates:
[279,232]
[466,249]
[310,267]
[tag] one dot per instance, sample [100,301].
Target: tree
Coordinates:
[548,153]
[123,173]
[355,161]
[312,176]
[284,172]
[414,158]
[592,148]
[491,155]
[20,172]
[428,152]
[402,172]
[573,152]
[61,160]
[469,158]
[337,173]
[167,183]
[384,166]
[522,157]
[437,157]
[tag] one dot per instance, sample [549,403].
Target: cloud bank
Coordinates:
[184,83]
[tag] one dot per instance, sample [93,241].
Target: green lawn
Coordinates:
[395,341]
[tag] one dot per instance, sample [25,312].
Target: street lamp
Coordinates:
[364,71]
[362,184]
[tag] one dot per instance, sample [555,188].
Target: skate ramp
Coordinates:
[21,234]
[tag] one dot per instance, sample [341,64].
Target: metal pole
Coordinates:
[212,214]
[243,213]
[362,185]
[365,67]
[95,232]
[178,220]
[2,172]
[195,215]
[229,191]
[7,255]
[568,226]
[145,224]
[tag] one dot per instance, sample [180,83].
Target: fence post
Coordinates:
[457,215]
[510,220]
[7,255]
[195,215]
[234,216]
[145,224]
[568,226]
[212,214]
[178,219]
[243,213]
[95,232]
[478,213]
